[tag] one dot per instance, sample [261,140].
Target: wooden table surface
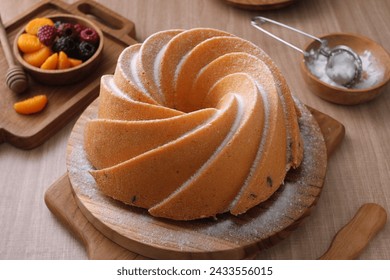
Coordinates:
[359,171]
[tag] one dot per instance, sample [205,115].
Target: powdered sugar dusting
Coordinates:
[263,94]
[134,74]
[226,232]
[373,71]
[289,204]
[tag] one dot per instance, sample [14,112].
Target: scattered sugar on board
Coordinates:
[120,214]
[259,223]
[80,168]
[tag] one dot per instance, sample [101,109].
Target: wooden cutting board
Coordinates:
[65,102]
[179,239]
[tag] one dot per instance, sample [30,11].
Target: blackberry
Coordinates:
[66,30]
[85,50]
[89,35]
[66,44]
[47,34]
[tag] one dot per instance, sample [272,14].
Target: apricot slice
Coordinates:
[74,62]
[51,62]
[31,105]
[63,61]
[37,58]
[28,43]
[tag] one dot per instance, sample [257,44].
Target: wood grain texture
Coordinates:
[16,78]
[350,241]
[347,244]
[228,237]
[59,199]
[358,172]
[260,5]
[65,102]
[332,130]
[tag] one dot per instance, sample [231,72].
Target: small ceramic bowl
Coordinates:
[342,95]
[63,76]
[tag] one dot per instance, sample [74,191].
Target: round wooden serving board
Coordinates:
[227,237]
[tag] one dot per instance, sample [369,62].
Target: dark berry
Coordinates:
[89,35]
[66,30]
[85,50]
[47,34]
[78,28]
[66,44]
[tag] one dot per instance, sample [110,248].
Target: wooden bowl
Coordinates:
[260,5]
[63,76]
[342,95]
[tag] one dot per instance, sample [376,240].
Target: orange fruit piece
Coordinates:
[31,105]
[28,43]
[36,23]
[37,58]
[51,62]
[63,61]
[74,62]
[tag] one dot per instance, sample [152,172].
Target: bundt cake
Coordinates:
[193,123]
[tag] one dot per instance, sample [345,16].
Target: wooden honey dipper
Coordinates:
[15,77]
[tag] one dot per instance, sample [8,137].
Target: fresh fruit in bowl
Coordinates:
[59,49]
[43,37]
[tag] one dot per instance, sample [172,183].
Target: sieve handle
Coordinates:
[258,21]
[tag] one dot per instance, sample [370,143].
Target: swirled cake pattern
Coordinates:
[193,123]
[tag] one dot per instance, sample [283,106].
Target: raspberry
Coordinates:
[66,44]
[86,50]
[66,30]
[47,34]
[89,35]
[78,28]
